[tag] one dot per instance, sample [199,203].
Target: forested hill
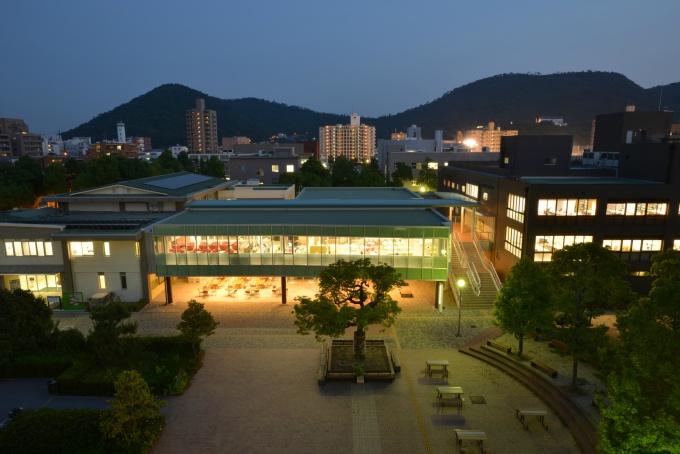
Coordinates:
[512,101]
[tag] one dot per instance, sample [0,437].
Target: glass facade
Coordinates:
[416,253]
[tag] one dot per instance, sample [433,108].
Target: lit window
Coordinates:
[107,249]
[546,245]
[81,248]
[513,241]
[637,209]
[472,190]
[275,168]
[515,207]
[567,207]
[102,280]
[433,165]
[290,168]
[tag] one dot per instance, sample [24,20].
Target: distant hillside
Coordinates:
[510,100]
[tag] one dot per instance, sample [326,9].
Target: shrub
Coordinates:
[48,430]
[36,366]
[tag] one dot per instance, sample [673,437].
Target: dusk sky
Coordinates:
[65,62]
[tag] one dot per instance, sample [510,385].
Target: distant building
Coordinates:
[554,120]
[101,149]
[201,129]
[16,140]
[142,143]
[485,138]
[353,141]
[266,167]
[229,142]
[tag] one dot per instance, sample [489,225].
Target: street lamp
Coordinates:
[461,286]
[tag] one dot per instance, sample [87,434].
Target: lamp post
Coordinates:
[461,286]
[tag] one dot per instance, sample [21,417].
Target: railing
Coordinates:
[458,248]
[473,277]
[488,266]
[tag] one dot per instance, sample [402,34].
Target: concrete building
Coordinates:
[201,129]
[485,138]
[101,149]
[353,141]
[266,167]
[16,140]
[535,201]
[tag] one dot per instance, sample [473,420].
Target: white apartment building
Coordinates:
[353,141]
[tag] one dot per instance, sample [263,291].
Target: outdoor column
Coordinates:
[168,290]
[284,290]
[439,296]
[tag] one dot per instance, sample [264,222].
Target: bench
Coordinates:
[497,346]
[538,413]
[451,401]
[395,362]
[544,368]
[554,343]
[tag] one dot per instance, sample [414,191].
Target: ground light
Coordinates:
[461,286]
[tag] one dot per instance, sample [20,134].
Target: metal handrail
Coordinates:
[473,277]
[488,266]
[456,243]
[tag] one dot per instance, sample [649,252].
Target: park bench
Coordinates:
[451,401]
[540,415]
[497,346]
[544,368]
[554,343]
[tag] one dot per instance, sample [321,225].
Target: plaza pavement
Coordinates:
[257,391]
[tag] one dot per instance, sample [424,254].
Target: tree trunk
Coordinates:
[521,345]
[574,374]
[359,342]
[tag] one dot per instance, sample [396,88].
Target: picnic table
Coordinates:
[406,293]
[476,436]
[450,395]
[539,413]
[437,366]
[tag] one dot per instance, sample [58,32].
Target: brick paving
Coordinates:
[257,390]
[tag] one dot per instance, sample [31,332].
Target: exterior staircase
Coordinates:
[483,296]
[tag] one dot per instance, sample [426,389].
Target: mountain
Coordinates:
[512,101]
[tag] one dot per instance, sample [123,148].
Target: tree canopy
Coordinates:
[586,276]
[524,302]
[25,324]
[351,294]
[641,413]
[197,323]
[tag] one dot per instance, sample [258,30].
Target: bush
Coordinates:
[48,430]
[31,366]
[71,342]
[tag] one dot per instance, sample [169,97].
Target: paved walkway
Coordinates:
[257,391]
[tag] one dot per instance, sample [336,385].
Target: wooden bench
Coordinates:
[554,343]
[538,413]
[451,401]
[497,346]
[544,368]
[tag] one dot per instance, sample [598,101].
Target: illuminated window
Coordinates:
[107,249]
[632,245]
[35,248]
[290,168]
[102,280]
[433,165]
[515,207]
[567,207]
[676,245]
[472,190]
[275,168]
[513,241]
[81,248]
[547,244]
[637,209]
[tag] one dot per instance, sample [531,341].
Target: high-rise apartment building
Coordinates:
[353,141]
[201,129]
[16,140]
[485,138]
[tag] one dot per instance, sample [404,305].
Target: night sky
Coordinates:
[65,62]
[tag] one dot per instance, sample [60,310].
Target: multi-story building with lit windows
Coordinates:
[16,140]
[536,202]
[353,141]
[485,138]
[201,129]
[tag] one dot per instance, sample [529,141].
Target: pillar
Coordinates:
[168,290]
[284,290]
[439,296]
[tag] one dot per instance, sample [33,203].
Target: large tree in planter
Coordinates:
[351,294]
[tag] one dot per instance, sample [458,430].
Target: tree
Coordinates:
[197,323]
[401,174]
[343,174]
[108,326]
[369,177]
[134,421]
[213,167]
[25,324]
[428,176]
[166,163]
[354,293]
[585,277]
[314,174]
[524,303]
[641,412]
[55,179]
[183,159]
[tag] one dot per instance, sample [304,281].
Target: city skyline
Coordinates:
[74,60]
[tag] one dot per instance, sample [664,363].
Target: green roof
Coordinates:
[357,193]
[311,217]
